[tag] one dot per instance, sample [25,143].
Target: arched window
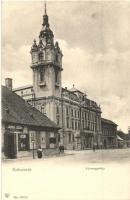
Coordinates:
[40,56]
[42,73]
[56,76]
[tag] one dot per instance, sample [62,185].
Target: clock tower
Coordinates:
[46,63]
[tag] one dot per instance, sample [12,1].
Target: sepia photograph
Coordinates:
[65,100]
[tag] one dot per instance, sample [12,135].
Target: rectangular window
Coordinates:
[67,122]
[75,114]
[32,138]
[69,137]
[72,112]
[72,124]
[67,111]
[78,114]
[75,125]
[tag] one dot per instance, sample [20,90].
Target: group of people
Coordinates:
[40,151]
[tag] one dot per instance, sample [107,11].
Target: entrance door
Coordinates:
[23,142]
[10,144]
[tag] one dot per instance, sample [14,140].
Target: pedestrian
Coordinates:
[63,148]
[60,148]
[39,152]
[94,146]
[100,145]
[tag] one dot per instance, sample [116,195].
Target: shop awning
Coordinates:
[119,138]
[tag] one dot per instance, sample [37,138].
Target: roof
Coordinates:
[122,135]
[16,110]
[22,88]
[107,121]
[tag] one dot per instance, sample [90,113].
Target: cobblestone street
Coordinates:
[76,175]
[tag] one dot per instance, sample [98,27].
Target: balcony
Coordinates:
[43,83]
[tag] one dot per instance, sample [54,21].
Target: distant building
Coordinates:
[128,129]
[79,117]
[109,133]
[22,125]
[123,139]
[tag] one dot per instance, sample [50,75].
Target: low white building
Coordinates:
[25,128]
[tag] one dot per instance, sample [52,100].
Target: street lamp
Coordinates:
[33,141]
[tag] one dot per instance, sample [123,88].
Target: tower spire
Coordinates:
[45,6]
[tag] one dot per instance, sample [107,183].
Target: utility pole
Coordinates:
[33,141]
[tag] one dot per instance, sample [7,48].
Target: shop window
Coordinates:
[52,140]
[23,142]
[43,139]
[32,135]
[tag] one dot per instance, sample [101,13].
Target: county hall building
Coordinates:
[78,116]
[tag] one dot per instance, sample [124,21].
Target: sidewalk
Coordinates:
[30,157]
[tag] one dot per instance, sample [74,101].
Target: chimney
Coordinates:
[8,83]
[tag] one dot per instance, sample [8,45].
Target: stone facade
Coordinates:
[78,116]
[109,134]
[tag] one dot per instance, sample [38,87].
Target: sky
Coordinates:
[94,38]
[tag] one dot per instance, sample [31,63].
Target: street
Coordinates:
[77,175]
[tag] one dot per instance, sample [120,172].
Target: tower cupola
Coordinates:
[34,47]
[46,34]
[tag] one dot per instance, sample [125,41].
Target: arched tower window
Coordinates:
[56,76]
[42,74]
[40,56]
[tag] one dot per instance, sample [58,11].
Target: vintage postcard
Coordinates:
[65,100]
